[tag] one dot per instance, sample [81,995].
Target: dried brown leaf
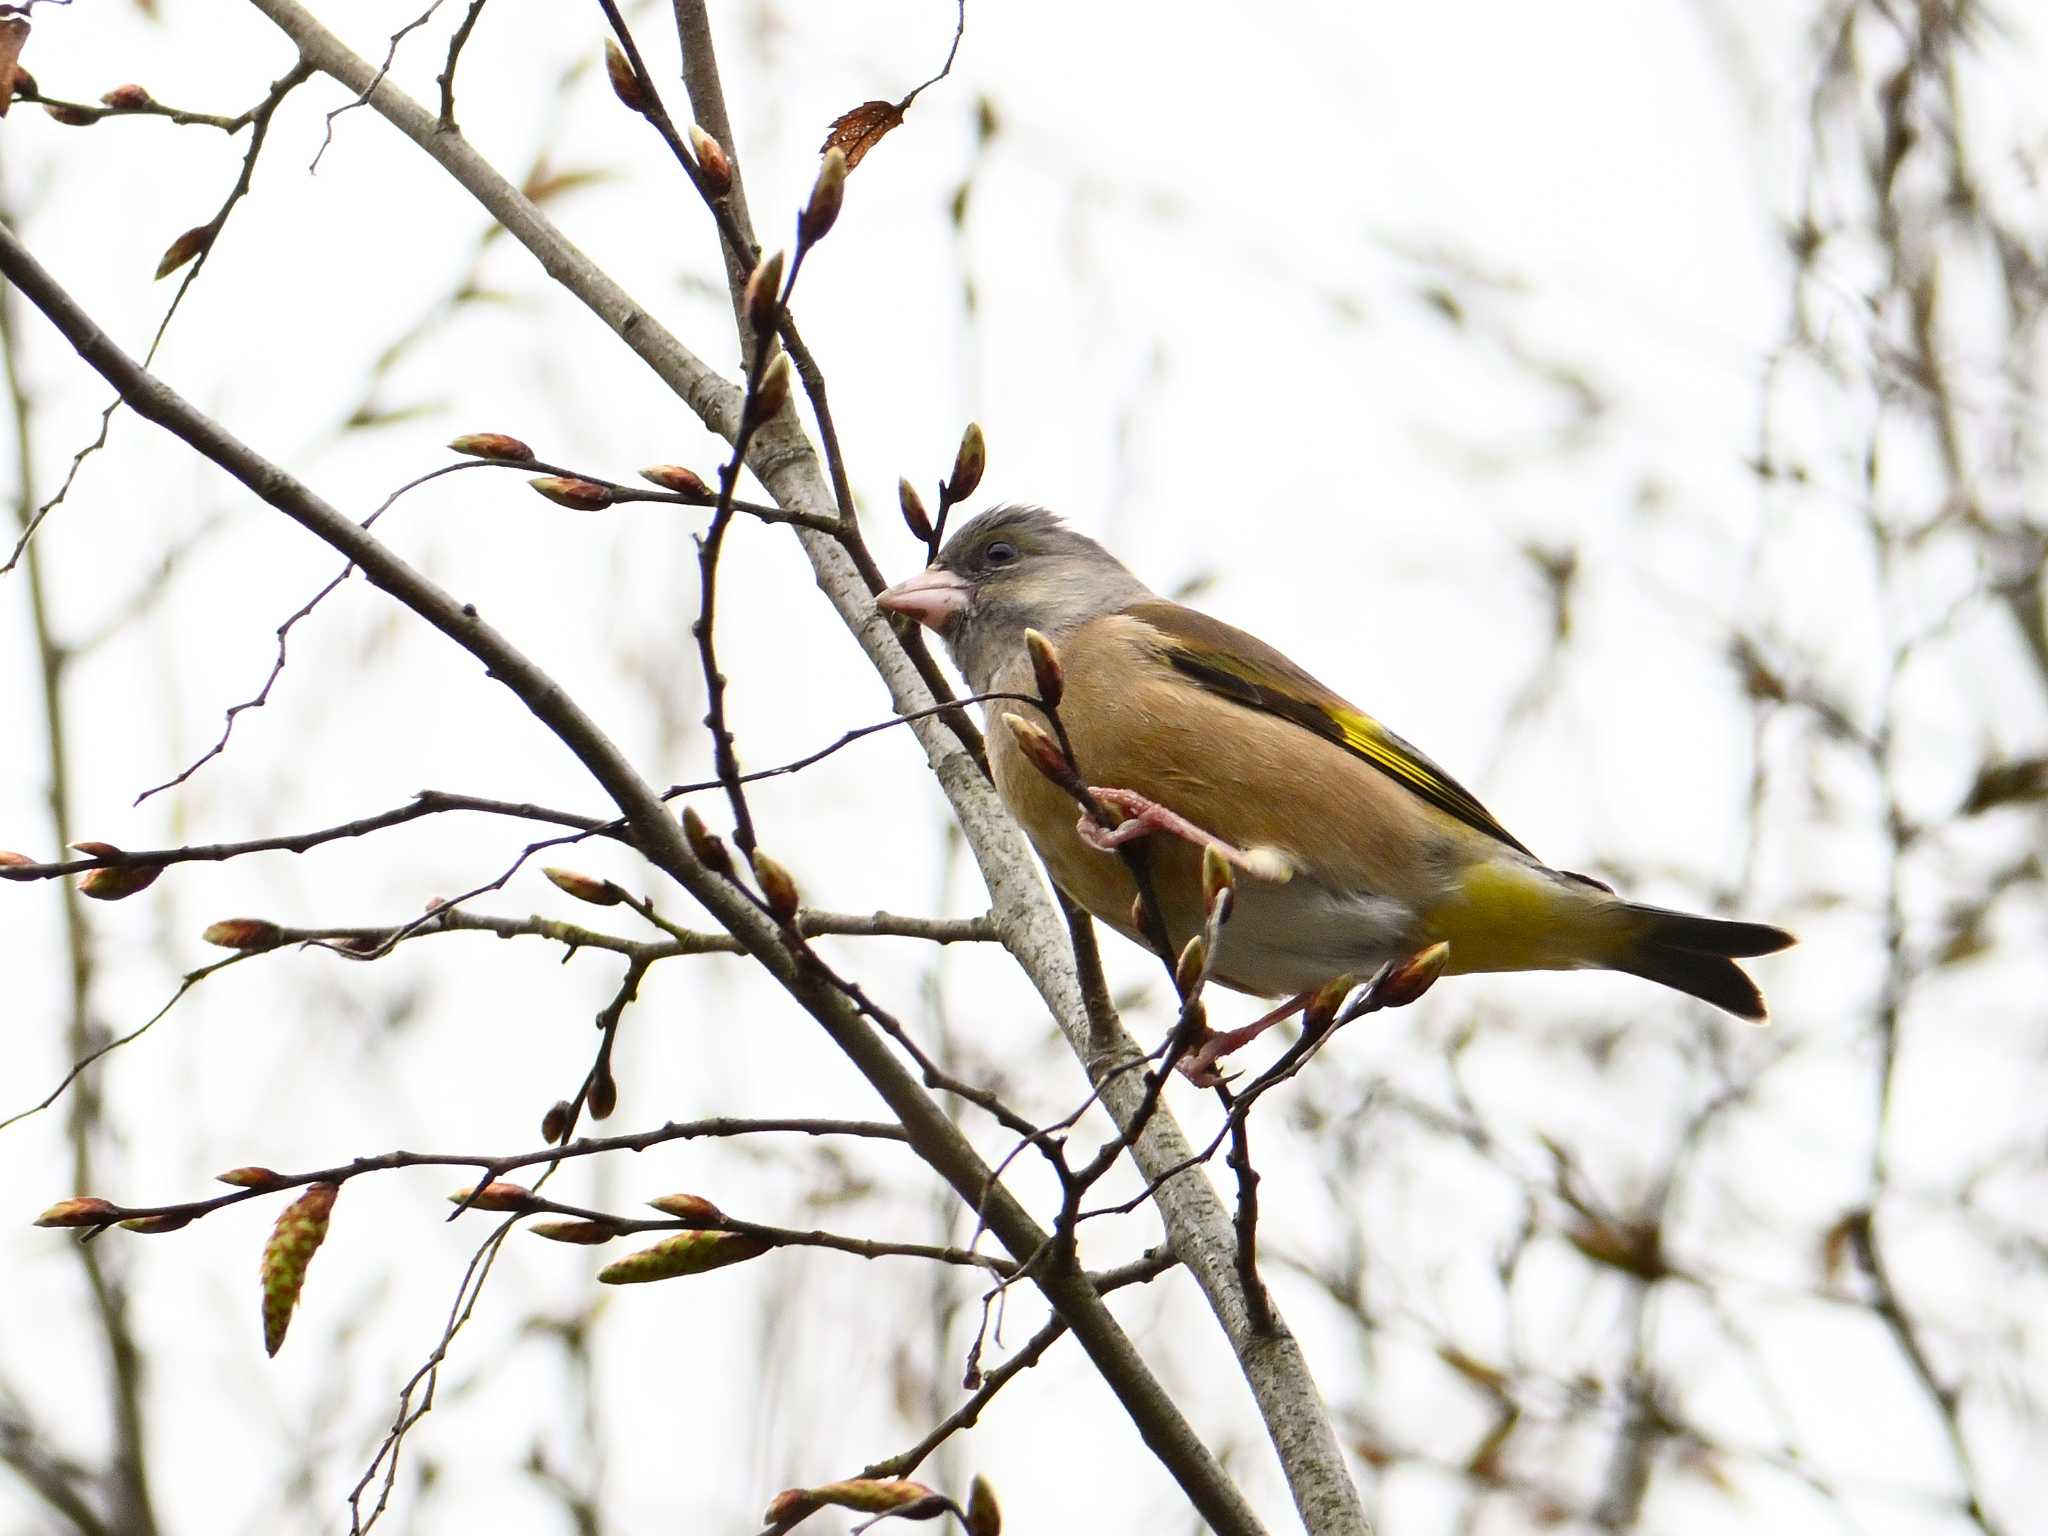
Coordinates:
[854,133]
[13,33]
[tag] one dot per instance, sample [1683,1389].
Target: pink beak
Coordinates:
[932,597]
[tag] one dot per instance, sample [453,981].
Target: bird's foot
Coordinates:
[1199,1065]
[1394,985]
[1143,816]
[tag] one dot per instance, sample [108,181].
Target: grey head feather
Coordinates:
[1027,570]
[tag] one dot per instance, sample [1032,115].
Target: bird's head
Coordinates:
[1008,570]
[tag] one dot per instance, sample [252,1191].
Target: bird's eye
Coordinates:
[1002,552]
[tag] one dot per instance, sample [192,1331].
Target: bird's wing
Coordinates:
[1246,670]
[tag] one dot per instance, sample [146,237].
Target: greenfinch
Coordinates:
[1353,849]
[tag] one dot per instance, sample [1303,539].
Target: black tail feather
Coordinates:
[1697,956]
[1712,978]
[1662,928]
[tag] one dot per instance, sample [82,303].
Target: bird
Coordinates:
[1351,849]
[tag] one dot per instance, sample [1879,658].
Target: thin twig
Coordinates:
[390,58]
[446,79]
[905,1462]
[952,53]
[259,117]
[81,113]
[185,984]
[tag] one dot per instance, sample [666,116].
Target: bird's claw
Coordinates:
[1394,985]
[1199,1066]
[1142,816]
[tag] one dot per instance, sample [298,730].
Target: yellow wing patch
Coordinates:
[1368,739]
[1254,674]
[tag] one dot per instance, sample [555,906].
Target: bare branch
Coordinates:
[428,802]
[258,117]
[968,1414]
[446,79]
[81,113]
[938,1140]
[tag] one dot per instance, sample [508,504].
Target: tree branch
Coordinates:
[932,1132]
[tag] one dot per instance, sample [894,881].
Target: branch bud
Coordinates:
[79,1211]
[495,446]
[686,483]
[554,1125]
[689,1208]
[1187,972]
[182,249]
[1324,1002]
[984,1515]
[778,888]
[866,1495]
[1046,669]
[498,1195]
[568,491]
[773,393]
[599,893]
[603,1097]
[1217,876]
[828,195]
[70,116]
[245,933]
[915,518]
[1041,751]
[127,98]
[1412,977]
[968,464]
[625,84]
[114,882]
[712,162]
[170,1221]
[707,845]
[249,1177]
[763,296]
[9,856]
[790,1506]
[588,1233]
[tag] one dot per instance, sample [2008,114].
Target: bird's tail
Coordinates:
[1694,954]
[1510,915]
